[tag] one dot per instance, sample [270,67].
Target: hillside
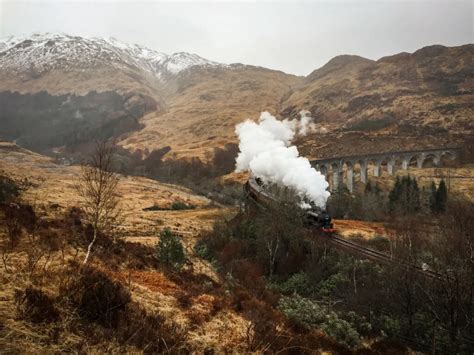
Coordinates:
[87,88]
[125,299]
[399,100]
[207,104]
[84,88]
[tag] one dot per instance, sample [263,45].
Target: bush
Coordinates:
[154,208]
[149,332]
[302,311]
[35,306]
[340,330]
[96,297]
[18,217]
[170,250]
[203,251]
[309,314]
[179,205]
[9,190]
[298,283]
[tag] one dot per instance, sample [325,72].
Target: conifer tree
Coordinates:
[433,197]
[405,195]
[368,187]
[394,195]
[414,203]
[441,197]
[378,190]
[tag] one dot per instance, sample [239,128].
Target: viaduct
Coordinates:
[392,160]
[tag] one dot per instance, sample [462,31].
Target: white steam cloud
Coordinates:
[266,152]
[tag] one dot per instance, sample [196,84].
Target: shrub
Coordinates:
[332,285]
[298,283]
[179,205]
[170,250]
[340,330]
[18,217]
[35,306]
[149,332]
[9,190]
[309,314]
[302,311]
[97,297]
[202,250]
[154,208]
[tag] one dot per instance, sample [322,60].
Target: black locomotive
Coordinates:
[315,216]
[321,219]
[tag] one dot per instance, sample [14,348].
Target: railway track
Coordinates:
[261,198]
[378,256]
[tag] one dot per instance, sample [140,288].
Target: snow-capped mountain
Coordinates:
[45,52]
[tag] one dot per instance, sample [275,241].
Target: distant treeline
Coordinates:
[182,170]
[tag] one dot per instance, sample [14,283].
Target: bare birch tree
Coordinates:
[97,189]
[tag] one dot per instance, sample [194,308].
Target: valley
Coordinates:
[191,264]
[192,105]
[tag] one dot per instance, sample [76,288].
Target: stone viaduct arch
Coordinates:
[403,159]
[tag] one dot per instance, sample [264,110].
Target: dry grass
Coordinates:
[203,113]
[367,230]
[194,311]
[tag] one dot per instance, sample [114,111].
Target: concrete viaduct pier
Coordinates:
[336,166]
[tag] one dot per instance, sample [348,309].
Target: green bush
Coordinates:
[309,314]
[330,286]
[340,330]
[298,283]
[202,250]
[302,311]
[170,250]
[179,205]
[154,208]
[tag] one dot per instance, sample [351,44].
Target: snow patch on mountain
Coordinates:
[45,51]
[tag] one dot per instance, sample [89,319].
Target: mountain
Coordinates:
[414,99]
[42,54]
[58,92]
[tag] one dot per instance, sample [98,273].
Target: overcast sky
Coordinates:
[296,37]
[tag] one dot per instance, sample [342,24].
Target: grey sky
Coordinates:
[296,37]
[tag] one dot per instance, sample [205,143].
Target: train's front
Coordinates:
[326,223]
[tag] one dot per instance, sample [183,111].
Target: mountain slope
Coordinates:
[84,88]
[432,87]
[43,55]
[206,104]
[187,101]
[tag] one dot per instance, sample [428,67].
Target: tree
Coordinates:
[451,301]
[394,194]
[170,250]
[341,203]
[438,197]
[433,197]
[279,236]
[405,196]
[97,189]
[368,187]
[441,197]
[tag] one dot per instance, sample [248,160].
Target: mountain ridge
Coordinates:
[190,105]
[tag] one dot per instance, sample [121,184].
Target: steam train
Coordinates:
[315,216]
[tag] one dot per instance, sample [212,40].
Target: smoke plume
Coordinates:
[266,152]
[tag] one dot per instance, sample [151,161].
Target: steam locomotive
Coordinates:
[315,216]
